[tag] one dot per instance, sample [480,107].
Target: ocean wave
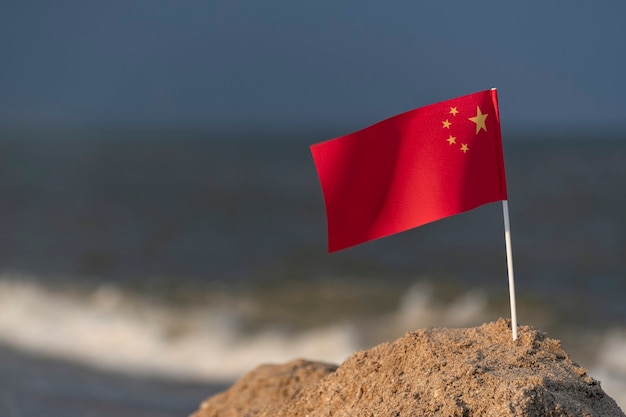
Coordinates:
[610,366]
[114,330]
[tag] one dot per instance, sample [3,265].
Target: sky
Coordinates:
[291,64]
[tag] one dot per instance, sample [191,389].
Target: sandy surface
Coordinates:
[477,371]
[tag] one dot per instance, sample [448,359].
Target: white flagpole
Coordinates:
[509,262]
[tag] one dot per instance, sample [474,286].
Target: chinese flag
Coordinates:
[412,169]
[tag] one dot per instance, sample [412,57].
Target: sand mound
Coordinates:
[478,371]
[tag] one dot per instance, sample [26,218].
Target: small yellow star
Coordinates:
[446,124]
[451,140]
[479,119]
[464,148]
[453,111]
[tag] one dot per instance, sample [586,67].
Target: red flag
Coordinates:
[412,169]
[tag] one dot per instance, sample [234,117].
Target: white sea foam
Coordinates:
[107,330]
[610,366]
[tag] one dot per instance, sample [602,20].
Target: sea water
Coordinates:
[142,270]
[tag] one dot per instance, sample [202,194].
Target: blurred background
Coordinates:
[162,228]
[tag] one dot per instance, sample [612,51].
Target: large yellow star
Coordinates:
[479,119]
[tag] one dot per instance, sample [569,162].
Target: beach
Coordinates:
[180,260]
